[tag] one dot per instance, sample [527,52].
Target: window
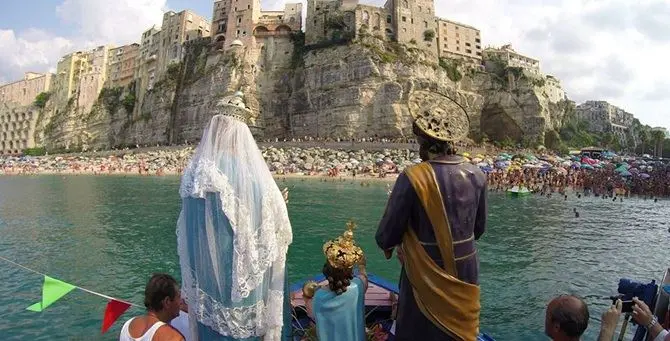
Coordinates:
[404,19]
[458,48]
[445,45]
[248,6]
[467,44]
[239,20]
[425,24]
[478,47]
[366,17]
[389,19]
[419,8]
[478,40]
[468,51]
[458,42]
[405,4]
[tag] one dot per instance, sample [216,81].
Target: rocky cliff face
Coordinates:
[351,91]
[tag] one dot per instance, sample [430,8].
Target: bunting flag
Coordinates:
[113,311]
[52,291]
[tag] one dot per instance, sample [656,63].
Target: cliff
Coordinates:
[345,90]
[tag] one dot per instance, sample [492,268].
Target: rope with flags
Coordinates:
[54,289]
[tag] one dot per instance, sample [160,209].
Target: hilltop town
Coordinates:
[158,91]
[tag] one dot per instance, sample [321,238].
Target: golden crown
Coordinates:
[234,106]
[342,253]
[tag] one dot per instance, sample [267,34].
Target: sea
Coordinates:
[110,234]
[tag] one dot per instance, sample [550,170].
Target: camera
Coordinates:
[644,292]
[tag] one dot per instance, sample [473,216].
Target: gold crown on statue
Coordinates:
[342,253]
[234,106]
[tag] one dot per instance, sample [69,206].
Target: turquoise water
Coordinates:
[108,234]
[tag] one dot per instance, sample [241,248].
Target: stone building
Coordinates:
[459,41]
[410,22]
[512,58]
[177,29]
[554,90]
[17,128]
[663,130]
[80,76]
[25,91]
[121,67]
[244,20]
[603,117]
[415,23]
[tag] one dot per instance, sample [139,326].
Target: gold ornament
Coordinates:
[309,289]
[234,106]
[438,116]
[342,253]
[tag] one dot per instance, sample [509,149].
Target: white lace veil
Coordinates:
[229,176]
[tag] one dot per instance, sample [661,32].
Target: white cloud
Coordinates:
[97,22]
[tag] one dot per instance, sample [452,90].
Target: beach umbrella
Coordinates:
[645,176]
[586,166]
[466,154]
[486,169]
[625,173]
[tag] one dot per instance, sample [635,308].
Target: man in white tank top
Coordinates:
[162,300]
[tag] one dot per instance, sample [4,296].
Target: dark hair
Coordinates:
[572,320]
[158,288]
[338,279]
[432,145]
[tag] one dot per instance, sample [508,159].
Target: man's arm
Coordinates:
[482,212]
[393,225]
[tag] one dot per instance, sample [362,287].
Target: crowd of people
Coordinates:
[233,234]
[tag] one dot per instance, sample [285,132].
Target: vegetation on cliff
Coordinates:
[42,99]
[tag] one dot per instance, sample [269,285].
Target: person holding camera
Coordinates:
[642,315]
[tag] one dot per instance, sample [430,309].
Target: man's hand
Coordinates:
[284,193]
[641,312]
[388,253]
[610,318]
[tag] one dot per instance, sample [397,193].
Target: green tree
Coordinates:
[42,99]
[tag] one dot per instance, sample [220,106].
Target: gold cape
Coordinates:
[451,304]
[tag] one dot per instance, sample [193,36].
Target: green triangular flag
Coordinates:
[52,291]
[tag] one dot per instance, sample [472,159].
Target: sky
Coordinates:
[613,50]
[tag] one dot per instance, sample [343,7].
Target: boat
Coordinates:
[517,191]
[380,299]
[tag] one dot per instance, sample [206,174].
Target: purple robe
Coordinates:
[463,188]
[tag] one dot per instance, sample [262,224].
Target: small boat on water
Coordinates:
[517,191]
[380,299]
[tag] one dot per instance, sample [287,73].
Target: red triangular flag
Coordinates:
[113,311]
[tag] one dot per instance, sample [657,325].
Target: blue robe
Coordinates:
[196,211]
[341,318]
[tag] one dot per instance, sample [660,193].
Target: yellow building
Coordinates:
[177,29]
[80,77]
[459,41]
[17,128]
[69,70]
[121,65]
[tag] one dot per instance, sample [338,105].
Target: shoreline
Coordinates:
[390,178]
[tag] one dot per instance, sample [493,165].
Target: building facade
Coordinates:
[512,58]
[603,117]
[25,91]
[17,128]
[244,20]
[459,41]
[93,80]
[69,71]
[416,24]
[177,29]
[121,66]
[146,65]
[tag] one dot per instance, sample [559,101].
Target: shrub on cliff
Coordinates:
[429,35]
[451,67]
[42,99]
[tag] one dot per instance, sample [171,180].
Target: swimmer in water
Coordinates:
[576,213]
